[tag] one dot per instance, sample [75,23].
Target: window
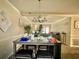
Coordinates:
[46,27]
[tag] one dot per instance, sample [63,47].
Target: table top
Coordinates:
[35,42]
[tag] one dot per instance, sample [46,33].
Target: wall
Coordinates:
[12,33]
[72,35]
[63,25]
[74,39]
[74,32]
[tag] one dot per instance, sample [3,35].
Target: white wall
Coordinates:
[63,25]
[74,32]
[7,37]
[74,38]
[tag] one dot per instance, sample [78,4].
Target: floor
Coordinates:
[70,56]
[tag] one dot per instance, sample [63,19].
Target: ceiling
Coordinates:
[54,6]
[47,6]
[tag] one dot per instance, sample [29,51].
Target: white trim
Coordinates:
[13,6]
[28,19]
[74,46]
[59,20]
[9,55]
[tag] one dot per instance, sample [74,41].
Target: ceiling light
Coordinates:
[39,18]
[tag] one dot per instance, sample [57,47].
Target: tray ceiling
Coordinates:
[60,6]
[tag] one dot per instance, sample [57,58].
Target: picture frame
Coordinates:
[76,24]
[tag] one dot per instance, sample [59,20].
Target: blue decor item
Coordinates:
[24,39]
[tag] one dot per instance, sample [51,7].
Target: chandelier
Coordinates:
[39,18]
